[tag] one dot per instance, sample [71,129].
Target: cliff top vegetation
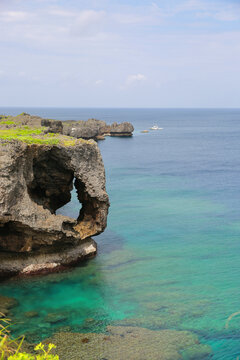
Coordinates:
[29,129]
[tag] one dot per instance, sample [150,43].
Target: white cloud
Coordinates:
[98,82]
[131,79]
[61,12]
[21,74]
[191,5]
[129,18]
[72,47]
[227,16]
[36,78]
[222,11]
[89,17]
[14,16]
[88,23]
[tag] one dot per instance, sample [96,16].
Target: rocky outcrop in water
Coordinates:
[35,181]
[6,304]
[123,129]
[96,129]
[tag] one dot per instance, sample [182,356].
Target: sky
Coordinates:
[120,53]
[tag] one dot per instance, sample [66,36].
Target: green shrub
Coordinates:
[37,136]
[27,135]
[22,114]
[7,122]
[43,355]
[8,346]
[10,349]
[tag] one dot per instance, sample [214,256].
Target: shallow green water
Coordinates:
[170,255]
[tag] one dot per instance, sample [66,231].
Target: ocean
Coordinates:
[169,258]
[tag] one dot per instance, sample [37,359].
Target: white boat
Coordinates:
[155,127]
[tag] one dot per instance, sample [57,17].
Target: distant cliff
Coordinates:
[91,129]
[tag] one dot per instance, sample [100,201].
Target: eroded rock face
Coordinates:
[123,129]
[90,129]
[53,126]
[35,181]
[81,129]
[96,129]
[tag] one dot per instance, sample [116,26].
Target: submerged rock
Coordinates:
[35,181]
[201,350]
[54,318]
[31,314]
[133,343]
[6,303]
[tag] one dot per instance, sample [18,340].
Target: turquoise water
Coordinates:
[170,255]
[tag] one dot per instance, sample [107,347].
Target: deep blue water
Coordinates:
[170,255]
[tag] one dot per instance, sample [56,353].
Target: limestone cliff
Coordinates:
[35,181]
[96,129]
[90,129]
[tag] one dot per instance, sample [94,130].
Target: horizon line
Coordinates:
[116,107]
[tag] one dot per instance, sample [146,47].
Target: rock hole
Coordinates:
[52,186]
[72,208]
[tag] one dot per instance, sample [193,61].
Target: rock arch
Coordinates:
[36,180]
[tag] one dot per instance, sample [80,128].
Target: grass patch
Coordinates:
[16,132]
[7,122]
[22,114]
[69,142]
[36,136]
[27,135]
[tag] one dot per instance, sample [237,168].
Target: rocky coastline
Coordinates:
[96,129]
[41,161]
[90,129]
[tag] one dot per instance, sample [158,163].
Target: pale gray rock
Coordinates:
[96,129]
[123,129]
[53,126]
